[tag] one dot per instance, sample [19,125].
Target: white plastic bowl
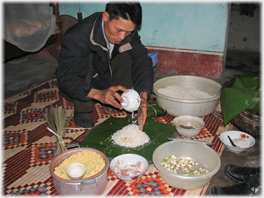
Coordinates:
[235,135]
[128,159]
[194,122]
[201,153]
[177,107]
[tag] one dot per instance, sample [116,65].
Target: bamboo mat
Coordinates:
[28,147]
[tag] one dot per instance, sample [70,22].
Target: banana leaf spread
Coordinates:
[100,137]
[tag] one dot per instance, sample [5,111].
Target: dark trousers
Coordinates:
[121,75]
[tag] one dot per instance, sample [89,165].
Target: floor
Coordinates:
[20,75]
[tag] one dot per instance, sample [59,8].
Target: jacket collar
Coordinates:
[97,36]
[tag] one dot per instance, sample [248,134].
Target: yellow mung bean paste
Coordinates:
[93,162]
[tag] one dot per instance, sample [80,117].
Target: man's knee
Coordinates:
[79,106]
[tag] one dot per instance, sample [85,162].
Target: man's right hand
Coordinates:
[108,96]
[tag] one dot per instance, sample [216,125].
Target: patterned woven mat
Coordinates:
[29,147]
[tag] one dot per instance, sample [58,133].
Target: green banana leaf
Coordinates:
[100,137]
[243,95]
[247,83]
[155,111]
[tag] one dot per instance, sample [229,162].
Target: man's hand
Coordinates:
[108,96]
[142,110]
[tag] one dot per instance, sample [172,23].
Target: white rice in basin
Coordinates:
[130,136]
[184,92]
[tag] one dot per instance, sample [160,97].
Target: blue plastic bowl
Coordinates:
[154,57]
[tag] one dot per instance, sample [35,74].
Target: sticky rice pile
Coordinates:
[130,136]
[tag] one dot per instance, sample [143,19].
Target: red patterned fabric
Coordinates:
[28,147]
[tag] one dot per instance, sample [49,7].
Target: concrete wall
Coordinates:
[190,37]
[244,30]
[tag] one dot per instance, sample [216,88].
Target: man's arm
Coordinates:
[108,96]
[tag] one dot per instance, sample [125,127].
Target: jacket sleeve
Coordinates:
[142,69]
[73,67]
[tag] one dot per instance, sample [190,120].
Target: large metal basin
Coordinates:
[177,107]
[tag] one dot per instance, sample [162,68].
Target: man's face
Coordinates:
[117,30]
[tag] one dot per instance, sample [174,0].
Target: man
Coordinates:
[101,57]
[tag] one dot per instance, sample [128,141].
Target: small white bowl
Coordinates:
[131,100]
[125,159]
[76,170]
[183,122]
[246,140]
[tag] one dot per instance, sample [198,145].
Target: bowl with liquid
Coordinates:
[188,126]
[241,139]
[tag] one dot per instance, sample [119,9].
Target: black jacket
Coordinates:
[87,37]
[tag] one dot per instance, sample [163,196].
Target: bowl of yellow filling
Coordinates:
[65,177]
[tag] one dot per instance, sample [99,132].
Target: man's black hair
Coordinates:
[127,10]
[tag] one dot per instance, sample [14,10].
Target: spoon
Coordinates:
[233,144]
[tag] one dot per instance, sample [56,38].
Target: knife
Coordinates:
[189,140]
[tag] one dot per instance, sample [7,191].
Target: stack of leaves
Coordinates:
[243,95]
[57,120]
[155,111]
